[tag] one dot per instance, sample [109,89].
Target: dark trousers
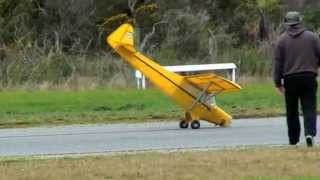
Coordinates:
[301,87]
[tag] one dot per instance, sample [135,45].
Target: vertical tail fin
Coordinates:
[123,36]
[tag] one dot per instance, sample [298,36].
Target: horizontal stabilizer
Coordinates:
[123,36]
[212,83]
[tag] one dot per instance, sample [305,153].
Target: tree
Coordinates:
[16,20]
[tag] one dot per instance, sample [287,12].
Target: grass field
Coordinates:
[34,108]
[249,164]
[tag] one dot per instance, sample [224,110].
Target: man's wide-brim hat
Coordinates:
[293,18]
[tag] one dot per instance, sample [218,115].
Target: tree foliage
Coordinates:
[42,34]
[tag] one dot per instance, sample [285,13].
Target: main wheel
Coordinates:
[183,124]
[195,124]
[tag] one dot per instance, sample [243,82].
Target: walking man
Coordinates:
[295,68]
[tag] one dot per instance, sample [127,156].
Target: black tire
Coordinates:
[183,124]
[195,124]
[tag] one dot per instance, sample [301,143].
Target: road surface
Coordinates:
[140,137]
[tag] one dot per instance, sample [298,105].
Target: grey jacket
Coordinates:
[296,51]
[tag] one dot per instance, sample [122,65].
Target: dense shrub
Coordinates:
[311,19]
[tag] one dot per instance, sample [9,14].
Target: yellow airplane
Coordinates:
[192,93]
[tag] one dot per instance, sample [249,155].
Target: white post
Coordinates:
[143,82]
[138,83]
[234,74]
[139,79]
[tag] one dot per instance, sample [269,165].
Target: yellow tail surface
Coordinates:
[123,36]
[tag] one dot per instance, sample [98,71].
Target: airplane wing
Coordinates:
[212,83]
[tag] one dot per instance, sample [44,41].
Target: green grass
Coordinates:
[254,100]
[33,108]
[21,102]
[21,108]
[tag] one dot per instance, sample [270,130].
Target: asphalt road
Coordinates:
[140,137]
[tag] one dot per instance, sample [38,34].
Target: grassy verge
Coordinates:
[33,108]
[250,164]
[25,108]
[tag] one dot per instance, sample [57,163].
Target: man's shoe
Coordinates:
[293,142]
[309,140]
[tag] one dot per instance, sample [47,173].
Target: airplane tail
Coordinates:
[123,36]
